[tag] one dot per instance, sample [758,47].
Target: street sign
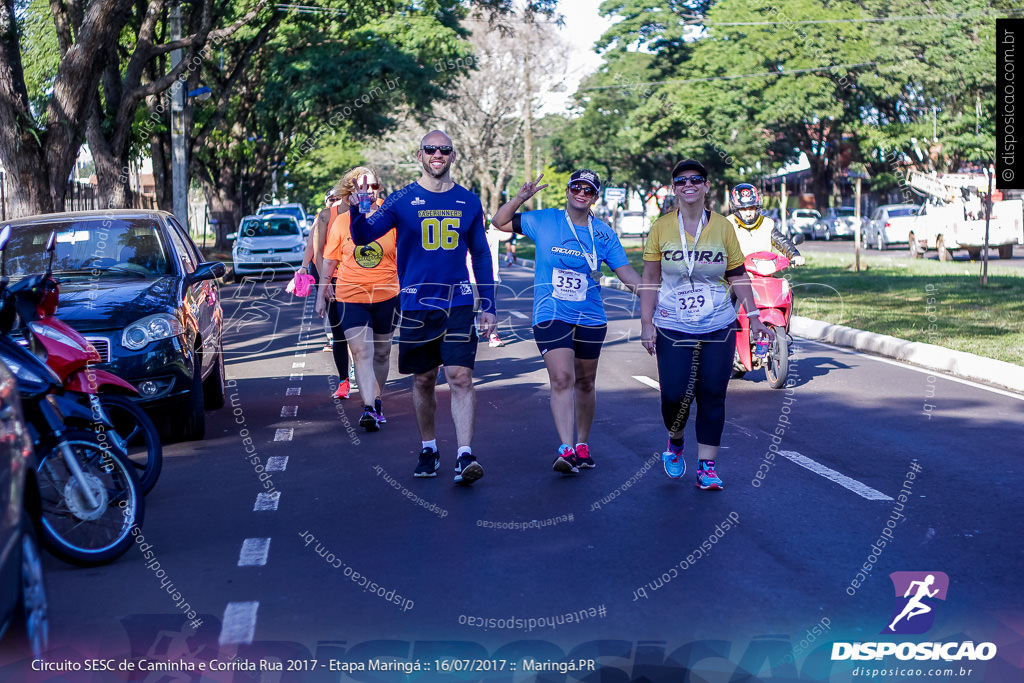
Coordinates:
[615,194]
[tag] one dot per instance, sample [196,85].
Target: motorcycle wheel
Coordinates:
[73,530]
[140,435]
[777,363]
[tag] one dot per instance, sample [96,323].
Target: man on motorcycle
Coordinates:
[755,231]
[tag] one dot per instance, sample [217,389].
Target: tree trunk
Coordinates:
[111,175]
[222,200]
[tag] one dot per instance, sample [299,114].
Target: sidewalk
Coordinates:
[928,356]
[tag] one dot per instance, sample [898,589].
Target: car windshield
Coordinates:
[98,246]
[292,211]
[268,227]
[903,211]
[848,213]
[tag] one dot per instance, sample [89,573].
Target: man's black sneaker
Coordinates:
[428,464]
[369,420]
[467,470]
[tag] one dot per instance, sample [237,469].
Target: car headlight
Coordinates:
[241,251]
[150,329]
[298,247]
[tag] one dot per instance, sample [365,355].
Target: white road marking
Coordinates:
[267,501]
[521,316]
[923,371]
[295,378]
[284,434]
[648,381]
[293,391]
[254,552]
[299,364]
[277,463]
[862,490]
[289,411]
[239,623]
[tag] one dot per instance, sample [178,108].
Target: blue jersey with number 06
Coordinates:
[434,231]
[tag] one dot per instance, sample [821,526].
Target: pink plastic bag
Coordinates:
[303,283]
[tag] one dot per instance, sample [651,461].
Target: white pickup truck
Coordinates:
[947,227]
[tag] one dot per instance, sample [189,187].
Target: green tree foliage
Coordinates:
[750,86]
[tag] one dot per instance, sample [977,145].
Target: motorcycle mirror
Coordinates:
[51,247]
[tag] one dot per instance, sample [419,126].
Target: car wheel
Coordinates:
[827,235]
[30,632]
[1005,251]
[944,254]
[912,245]
[974,253]
[192,415]
[213,387]
[880,241]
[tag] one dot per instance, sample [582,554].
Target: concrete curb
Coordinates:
[928,356]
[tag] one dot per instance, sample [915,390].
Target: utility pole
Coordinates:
[988,218]
[857,221]
[528,123]
[179,181]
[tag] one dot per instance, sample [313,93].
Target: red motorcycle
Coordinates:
[774,298]
[71,357]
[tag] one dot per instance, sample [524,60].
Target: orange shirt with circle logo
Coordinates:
[365,274]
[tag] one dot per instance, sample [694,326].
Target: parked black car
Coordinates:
[23,603]
[134,284]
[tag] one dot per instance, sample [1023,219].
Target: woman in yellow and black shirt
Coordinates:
[688,318]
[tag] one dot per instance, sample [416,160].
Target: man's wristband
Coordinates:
[754,314]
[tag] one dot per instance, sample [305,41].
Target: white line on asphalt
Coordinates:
[254,552]
[295,378]
[284,434]
[293,391]
[300,364]
[289,411]
[648,381]
[519,315]
[277,463]
[266,501]
[862,490]
[239,623]
[923,371]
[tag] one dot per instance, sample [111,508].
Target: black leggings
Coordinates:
[340,347]
[712,354]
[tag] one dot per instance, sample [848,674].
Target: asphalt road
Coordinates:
[354,561]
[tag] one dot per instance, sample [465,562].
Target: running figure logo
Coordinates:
[911,614]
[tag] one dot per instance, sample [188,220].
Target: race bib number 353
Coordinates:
[440,234]
[568,285]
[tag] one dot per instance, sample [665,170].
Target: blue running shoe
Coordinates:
[672,459]
[707,479]
[467,470]
[428,464]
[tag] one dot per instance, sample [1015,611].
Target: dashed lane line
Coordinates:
[239,623]
[862,490]
[267,501]
[277,463]
[254,552]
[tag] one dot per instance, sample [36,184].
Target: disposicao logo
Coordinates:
[915,594]
[912,614]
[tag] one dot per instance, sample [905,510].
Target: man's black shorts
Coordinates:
[436,337]
[380,316]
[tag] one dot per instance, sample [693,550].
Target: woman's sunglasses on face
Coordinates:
[587,190]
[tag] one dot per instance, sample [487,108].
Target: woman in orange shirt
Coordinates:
[366,296]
